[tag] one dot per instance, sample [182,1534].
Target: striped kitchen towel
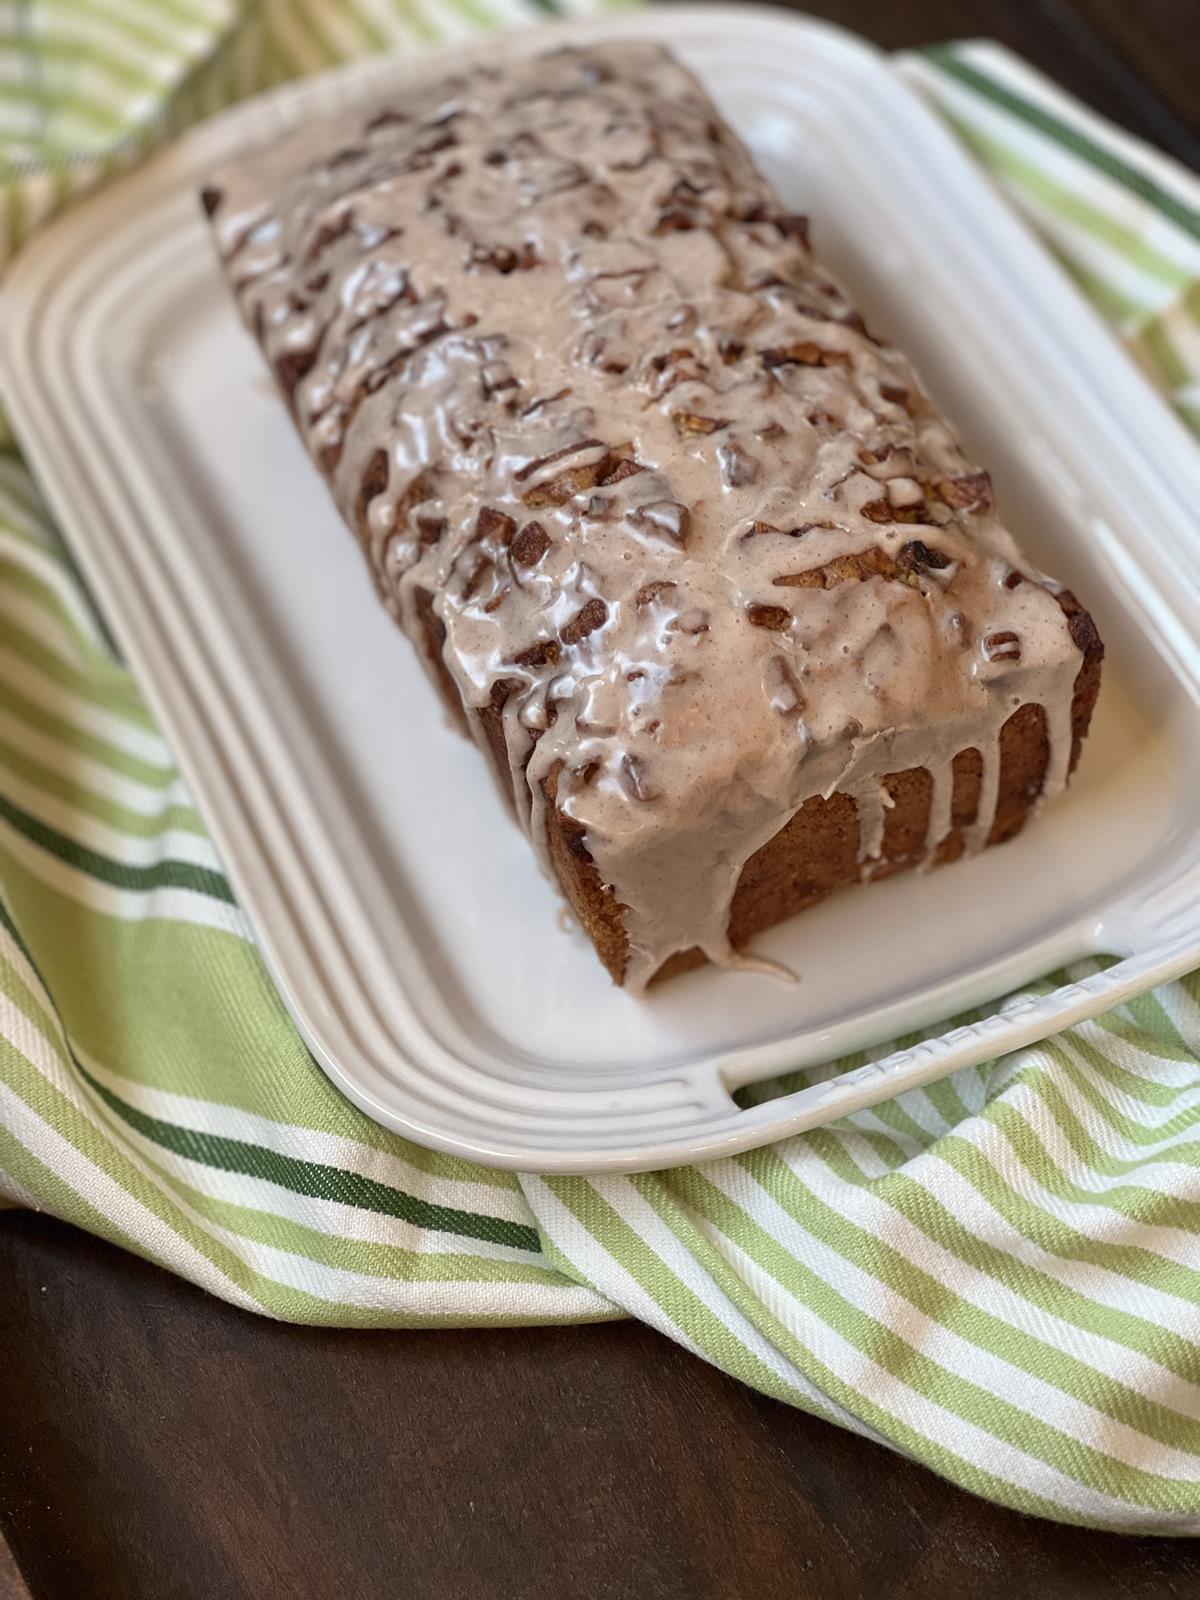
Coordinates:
[998,1275]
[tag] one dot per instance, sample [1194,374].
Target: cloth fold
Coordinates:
[998,1274]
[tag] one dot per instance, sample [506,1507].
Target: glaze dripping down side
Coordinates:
[684,541]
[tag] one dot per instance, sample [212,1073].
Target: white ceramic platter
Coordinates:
[403,916]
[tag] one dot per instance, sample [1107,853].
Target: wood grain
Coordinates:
[1137,64]
[1158,44]
[158,1445]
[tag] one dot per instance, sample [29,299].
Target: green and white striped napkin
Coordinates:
[998,1275]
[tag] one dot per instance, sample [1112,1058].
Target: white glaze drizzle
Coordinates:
[989,788]
[941,802]
[873,806]
[574,374]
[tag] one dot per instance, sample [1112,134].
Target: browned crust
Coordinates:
[1087,682]
[434,634]
[596,907]
[816,851]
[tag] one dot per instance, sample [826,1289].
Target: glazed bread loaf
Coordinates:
[685,546]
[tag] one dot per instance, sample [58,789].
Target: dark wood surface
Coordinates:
[157,1445]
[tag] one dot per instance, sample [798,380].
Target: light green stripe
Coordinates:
[439,1168]
[71,791]
[17,485]
[50,664]
[729,1284]
[65,51]
[918,1203]
[1147,1012]
[1051,1233]
[31,1004]
[1109,1039]
[304,22]
[1071,138]
[53,103]
[1162,356]
[200,17]
[892,1113]
[56,1195]
[1068,206]
[44,537]
[15,206]
[947,1102]
[165,872]
[415,18]
[678,1303]
[370,37]
[84,1134]
[1118,308]
[153,28]
[1088,1155]
[1143,1021]
[768,1253]
[908,1364]
[79,652]
[314,1179]
[73,737]
[474,13]
[370,1258]
[132,998]
[938,1301]
[1131,1130]
[279,1300]
[887,1149]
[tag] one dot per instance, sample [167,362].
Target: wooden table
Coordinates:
[158,1445]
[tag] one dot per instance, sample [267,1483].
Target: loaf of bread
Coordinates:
[682,543]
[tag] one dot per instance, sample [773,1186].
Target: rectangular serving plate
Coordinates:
[411,936]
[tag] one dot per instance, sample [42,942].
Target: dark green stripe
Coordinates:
[166,874]
[32,506]
[548,5]
[312,1178]
[316,1179]
[1071,138]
